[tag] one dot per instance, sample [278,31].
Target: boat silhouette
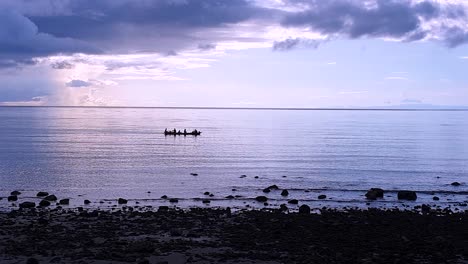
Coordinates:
[179,133]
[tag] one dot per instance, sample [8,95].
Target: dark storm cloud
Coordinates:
[40,28]
[20,41]
[384,18]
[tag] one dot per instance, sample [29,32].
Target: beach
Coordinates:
[197,235]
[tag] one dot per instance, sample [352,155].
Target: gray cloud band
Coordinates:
[31,29]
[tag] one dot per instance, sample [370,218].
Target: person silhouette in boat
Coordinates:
[174,131]
[185,131]
[165,131]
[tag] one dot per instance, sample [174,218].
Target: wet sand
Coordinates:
[197,235]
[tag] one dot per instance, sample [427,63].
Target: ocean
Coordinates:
[101,154]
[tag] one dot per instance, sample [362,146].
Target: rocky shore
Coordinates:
[167,235]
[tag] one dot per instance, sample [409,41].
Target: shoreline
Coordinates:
[209,235]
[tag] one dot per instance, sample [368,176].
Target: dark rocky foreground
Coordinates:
[219,236]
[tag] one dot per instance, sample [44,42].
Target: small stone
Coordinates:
[256,177]
[229,197]
[64,201]
[211,195]
[51,198]
[122,201]
[27,205]
[266,190]
[273,187]
[407,195]
[42,194]
[173,200]
[283,207]
[207,193]
[32,261]
[44,203]
[12,198]
[322,196]
[261,199]
[425,208]
[15,193]
[194,174]
[87,201]
[304,209]
[375,193]
[234,190]
[284,193]
[455,184]
[164,197]
[435,198]
[206,201]
[293,201]
[163,208]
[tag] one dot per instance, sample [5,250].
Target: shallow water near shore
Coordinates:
[102,154]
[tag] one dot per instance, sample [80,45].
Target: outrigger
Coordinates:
[181,133]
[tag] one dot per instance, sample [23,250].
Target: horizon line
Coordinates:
[246,108]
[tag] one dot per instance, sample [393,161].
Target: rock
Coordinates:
[256,177]
[211,195]
[194,174]
[229,197]
[122,201]
[51,198]
[15,193]
[173,200]
[435,198]
[12,198]
[64,201]
[407,195]
[32,261]
[56,260]
[266,190]
[206,201]
[163,208]
[164,197]
[455,184]
[284,193]
[233,190]
[207,193]
[42,194]
[374,193]
[44,203]
[27,205]
[304,209]
[87,201]
[273,187]
[322,196]
[283,207]
[293,201]
[261,199]
[425,208]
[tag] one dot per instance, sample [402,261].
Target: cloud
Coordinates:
[208,46]
[404,20]
[78,83]
[20,41]
[62,65]
[292,43]
[411,101]
[396,78]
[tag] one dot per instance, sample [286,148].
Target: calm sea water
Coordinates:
[101,154]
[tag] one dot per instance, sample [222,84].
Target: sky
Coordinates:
[234,53]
